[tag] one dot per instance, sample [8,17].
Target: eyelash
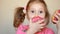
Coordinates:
[32,11]
[40,11]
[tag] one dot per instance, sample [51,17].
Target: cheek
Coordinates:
[30,15]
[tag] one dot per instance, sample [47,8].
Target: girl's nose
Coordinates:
[36,14]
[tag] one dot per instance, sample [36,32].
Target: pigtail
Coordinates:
[19,17]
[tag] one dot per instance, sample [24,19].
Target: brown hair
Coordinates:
[19,16]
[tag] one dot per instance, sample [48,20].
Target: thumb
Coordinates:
[30,22]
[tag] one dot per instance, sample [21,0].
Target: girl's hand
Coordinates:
[56,18]
[34,27]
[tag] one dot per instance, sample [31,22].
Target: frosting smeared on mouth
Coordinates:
[35,19]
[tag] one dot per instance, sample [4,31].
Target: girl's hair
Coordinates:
[19,16]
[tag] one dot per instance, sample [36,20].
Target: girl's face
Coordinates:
[36,9]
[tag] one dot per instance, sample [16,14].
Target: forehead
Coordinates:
[36,5]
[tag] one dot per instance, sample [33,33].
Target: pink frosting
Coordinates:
[35,19]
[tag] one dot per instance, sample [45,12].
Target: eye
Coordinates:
[32,11]
[41,11]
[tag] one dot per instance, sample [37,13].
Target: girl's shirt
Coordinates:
[23,28]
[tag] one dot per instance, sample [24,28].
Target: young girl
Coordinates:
[34,9]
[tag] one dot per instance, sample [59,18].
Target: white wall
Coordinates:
[7,12]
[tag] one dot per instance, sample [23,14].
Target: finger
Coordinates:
[56,16]
[55,21]
[40,28]
[40,21]
[41,25]
[57,12]
[31,22]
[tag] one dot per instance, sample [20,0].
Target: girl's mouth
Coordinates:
[35,19]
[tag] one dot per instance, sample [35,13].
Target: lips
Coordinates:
[35,19]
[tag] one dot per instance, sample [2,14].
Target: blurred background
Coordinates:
[7,8]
